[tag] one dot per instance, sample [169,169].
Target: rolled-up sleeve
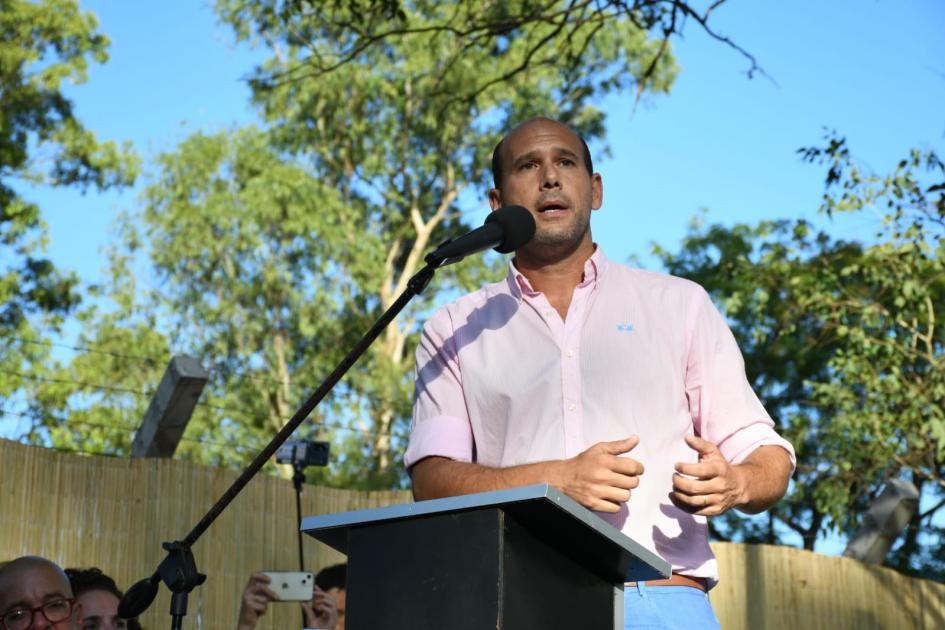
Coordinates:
[440,424]
[723,406]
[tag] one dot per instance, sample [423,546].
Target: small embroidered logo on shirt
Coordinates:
[628,327]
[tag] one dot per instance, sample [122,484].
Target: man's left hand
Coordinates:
[322,611]
[709,487]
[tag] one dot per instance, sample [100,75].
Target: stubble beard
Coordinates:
[571,234]
[557,243]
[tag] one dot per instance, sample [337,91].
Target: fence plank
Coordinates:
[114,513]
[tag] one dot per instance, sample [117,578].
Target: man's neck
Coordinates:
[556,277]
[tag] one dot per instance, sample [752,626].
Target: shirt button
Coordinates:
[569,353]
[549,313]
[571,407]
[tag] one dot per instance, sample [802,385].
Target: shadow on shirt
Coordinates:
[492,315]
[693,534]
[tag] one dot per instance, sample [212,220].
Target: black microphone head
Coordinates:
[518,227]
[137,598]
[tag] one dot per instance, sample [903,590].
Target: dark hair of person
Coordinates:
[92,579]
[335,576]
[497,165]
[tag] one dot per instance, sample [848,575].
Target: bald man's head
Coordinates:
[500,160]
[31,581]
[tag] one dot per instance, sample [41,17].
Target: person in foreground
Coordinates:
[98,596]
[334,581]
[35,594]
[623,388]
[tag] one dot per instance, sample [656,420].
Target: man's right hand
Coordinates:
[598,478]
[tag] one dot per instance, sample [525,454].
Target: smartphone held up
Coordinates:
[291,586]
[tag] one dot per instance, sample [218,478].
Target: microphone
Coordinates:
[505,230]
[137,598]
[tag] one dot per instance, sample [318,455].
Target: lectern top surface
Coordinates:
[555,509]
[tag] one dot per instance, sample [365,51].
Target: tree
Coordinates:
[42,44]
[402,128]
[842,342]
[271,250]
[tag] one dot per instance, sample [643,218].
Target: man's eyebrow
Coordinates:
[48,597]
[525,157]
[14,605]
[558,151]
[566,152]
[22,603]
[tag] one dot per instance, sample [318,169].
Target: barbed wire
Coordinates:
[88,350]
[239,371]
[49,379]
[118,427]
[149,360]
[324,424]
[239,413]
[252,449]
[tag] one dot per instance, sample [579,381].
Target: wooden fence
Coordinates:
[113,513]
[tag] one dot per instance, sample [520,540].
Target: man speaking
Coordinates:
[622,388]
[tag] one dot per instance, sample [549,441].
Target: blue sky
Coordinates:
[872,70]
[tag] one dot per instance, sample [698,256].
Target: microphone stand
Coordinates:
[179,570]
[297,480]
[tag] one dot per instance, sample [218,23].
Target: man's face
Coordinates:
[543,170]
[35,584]
[339,595]
[99,611]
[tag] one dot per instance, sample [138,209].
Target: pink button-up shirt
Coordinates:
[501,380]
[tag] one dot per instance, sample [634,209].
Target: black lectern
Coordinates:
[521,559]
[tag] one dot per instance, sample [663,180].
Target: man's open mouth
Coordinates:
[552,206]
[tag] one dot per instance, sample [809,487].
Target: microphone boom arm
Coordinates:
[506,229]
[178,570]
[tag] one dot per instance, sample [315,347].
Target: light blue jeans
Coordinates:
[667,608]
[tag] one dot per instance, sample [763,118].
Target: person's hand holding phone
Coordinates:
[255,601]
[322,611]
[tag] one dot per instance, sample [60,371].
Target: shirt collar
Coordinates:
[594,269]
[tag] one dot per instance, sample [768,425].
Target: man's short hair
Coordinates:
[335,576]
[497,164]
[91,579]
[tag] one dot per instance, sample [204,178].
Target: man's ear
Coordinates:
[495,198]
[597,191]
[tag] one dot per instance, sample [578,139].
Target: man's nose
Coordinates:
[549,177]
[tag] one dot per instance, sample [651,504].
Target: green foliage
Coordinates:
[399,114]
[267,253]
[842,342]
[96,402]
[42,44]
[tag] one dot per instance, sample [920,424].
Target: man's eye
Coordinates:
[15,615]
[566,162]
